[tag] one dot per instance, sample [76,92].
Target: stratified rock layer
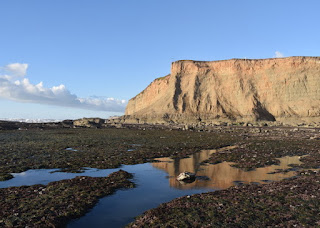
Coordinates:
[236,89]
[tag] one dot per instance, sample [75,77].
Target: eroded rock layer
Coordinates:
[236,89]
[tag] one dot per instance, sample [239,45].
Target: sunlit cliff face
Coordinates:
[221,175]
[261,89]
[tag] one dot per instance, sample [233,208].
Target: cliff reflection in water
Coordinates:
[221,175]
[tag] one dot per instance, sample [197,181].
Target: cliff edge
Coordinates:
[237,89]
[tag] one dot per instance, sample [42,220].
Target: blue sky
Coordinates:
[100,49]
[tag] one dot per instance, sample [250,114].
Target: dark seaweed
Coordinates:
[97,148]
[288,203]
[55,204]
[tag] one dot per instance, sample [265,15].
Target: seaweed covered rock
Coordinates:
[288,203]
[55,204]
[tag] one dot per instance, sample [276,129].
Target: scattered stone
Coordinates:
[315,137]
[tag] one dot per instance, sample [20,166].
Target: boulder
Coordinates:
[186,176]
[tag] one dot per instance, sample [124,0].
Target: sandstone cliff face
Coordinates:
[236,89]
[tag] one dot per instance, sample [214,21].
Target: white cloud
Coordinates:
[16,69]
[22,90]
[278,54]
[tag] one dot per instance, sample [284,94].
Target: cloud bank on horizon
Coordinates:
[15,86]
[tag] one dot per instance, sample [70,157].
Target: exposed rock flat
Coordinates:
[235,89]
[55,204]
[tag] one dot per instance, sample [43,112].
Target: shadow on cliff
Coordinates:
[262,113]
[177,93]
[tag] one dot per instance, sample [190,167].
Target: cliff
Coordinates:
[235,89]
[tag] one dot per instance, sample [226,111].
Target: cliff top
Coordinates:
[224,60]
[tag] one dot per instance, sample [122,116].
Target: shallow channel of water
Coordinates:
[45,176]
[156,184]
[120,208]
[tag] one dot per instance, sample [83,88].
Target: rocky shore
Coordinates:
[55,204]
[128,121]
[98,148]
[288,203]
[108,145]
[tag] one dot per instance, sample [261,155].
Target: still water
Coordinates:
[221,175]
[156,184]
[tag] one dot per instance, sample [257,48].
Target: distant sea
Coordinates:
[31,120]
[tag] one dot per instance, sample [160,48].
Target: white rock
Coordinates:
[186,176]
